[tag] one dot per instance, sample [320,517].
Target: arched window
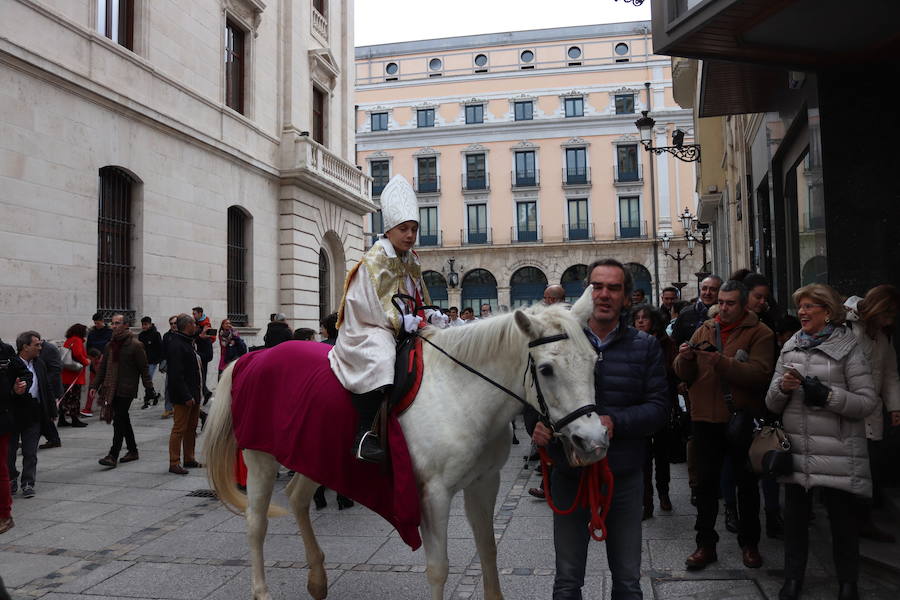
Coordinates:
[479,287]
[437,288]
[642,279]
[815,270]
[526,286]
[238,267]
[574,280]
[324,285]
[115,255]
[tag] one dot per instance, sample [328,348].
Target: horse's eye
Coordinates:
[546,370]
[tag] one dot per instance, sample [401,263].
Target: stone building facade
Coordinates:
[524,152]
[157,155]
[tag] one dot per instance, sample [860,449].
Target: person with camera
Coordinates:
[124,364]
[185,392]
[727,365]
[29,410]
[11,386]
[205,337]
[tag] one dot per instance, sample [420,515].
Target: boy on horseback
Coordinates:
[364,355]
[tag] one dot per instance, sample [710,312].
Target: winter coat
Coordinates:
[183,380]
[277,332]
[829,443]
[152,342]
[79,355]
[747,379]
[52,359]
[688,321]
[99,338]
[883,362]
[132,369]
[28,410]
[630,386]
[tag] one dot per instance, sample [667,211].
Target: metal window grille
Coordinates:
[237,267]
[324,285]
[115,226]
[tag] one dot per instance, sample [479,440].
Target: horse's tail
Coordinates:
[221,447]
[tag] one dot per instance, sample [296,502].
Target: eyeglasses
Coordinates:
[810,306]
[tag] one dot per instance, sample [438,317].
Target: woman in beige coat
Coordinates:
[823,389]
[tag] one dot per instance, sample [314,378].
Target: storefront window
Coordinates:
[806,175]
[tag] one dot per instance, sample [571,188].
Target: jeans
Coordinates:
[844,531]
[623,543]
[122,427]
[152,370]
[711,450]
[184,433]
[30,437]
[658,453]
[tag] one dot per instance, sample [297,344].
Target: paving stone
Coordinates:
[19,569]
[710,589]
[396,586]
[79,536]
[460,552]
[182,542]
[343,548]
[89,577]
[165,581]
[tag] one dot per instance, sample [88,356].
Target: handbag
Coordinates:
[770,451]
[68,363]
[739,430]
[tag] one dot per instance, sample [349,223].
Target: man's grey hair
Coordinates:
[24,339]
[126,320]
[717,278]
[183,320]
[736,286]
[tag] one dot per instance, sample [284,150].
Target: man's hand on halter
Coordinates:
[542,435]
[411,322]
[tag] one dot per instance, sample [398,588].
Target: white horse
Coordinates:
[458,432]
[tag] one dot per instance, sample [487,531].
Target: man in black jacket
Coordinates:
[185,392]
[692,317]
[36,404]
[153,348]
[631,393]
[277,331]
[12,387]
[53,362]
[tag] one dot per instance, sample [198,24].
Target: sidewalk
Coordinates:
[137,532]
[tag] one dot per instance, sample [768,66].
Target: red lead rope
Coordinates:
[595,491]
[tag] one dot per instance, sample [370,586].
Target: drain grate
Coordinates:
[203,494]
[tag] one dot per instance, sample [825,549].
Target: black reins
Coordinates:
[532,367]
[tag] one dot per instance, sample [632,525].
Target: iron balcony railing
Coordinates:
[631,230]
[473,182]
[526,178]
[576,176]
[522,236]
[377,188]
[627,175]
[431,238]
[427,185]
[482,235]
[581,230]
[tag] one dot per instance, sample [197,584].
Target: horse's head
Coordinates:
[563,371]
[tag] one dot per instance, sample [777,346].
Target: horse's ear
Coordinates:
[582,308]
[525,324]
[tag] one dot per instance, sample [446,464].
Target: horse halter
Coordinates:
[544,410]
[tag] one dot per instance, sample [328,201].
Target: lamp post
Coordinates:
[452,275]
[666,242]
[693,227]
[680,150]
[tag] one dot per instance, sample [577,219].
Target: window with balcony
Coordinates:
[319,114]
[428,226]
[476,173]
[525,174]
[526,221]
[629,217]
[427,180]
[379,121]
[381,174]
[578,219]
[627,163]
[576,166]
[234,66]
[115,20]
[624,104]
[476,223]
[524,111]
[474,114]
[574,107]
[425,117]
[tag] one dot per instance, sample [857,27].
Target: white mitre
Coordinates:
[398,203]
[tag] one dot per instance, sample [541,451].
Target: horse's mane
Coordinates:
[500,335]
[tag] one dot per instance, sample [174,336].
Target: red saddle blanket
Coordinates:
[287,402]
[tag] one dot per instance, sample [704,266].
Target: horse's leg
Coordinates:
[435,513]
[300,490]
[480,497]
[261,471]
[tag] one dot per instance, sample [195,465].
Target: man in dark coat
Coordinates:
[632,397]
[277,331]
[153,348]
[12,387]
[185,392]
[99,335]
[692,317]
[30,408]
[53,361]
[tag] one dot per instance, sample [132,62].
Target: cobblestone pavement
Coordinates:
[137,532]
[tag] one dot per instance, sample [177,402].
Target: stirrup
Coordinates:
[369,449]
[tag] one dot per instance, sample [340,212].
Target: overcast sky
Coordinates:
[384,21]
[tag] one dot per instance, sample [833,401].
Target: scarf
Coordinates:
[108,388]
[807,341]
[727,329]
[225,336]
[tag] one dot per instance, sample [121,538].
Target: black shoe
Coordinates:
[46,445]
[62,422]
[344,502]
[28,492]
[774,524]
[515,439]
[129,457]
[731,518]
[146,404]
[108,461]
[203,415]
[319,498]
[846,591]
[76,422]
[192,464]
[790,590]
[368,448]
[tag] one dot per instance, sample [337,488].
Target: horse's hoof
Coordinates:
[319,591]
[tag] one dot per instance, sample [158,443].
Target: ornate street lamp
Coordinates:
[680,150]
[693,227]
[666,242]
[452,276]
